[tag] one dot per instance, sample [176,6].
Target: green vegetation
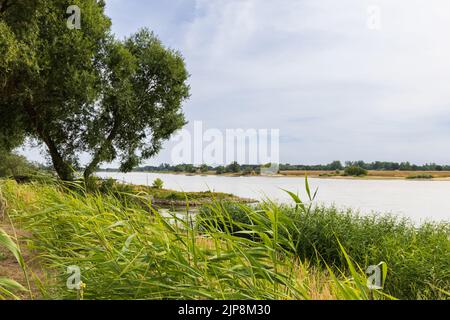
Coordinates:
[234,167]
[15,165]
[83,91]
[128,194]
[9,287]
[231,251]
[125,252]
[158,184]
[376,165]
[220,170]
[333,169]
[420,176]
[355,171]
[418,257]
[204,168]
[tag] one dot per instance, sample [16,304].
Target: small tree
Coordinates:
[189,168]
[158,184]
[204,168]
[336,165]
[220,170]
[233,167]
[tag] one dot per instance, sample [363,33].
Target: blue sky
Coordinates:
[336,87]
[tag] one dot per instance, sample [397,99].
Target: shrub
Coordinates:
[234,167]
[355,171]
[15,165]
[220,170]
[158,184]
[420,176]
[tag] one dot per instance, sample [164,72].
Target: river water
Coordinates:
[418,200]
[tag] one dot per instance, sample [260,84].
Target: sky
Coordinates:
[341,80]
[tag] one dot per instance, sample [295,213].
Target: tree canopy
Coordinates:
[81,91]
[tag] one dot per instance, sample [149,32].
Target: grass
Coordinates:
[418,257]
[158,195]
[8,286]
[420,176]
[125,252]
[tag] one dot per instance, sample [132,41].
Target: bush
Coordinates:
[418,257]
[234,167]
[420,176]
[355,171]
[158,184]
[220,170]
[15,165]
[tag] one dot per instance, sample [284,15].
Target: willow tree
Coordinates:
[81,91]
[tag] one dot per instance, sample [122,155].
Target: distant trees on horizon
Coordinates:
[333,166]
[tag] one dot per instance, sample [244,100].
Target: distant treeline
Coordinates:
[377,165]
[333,166]
[190,168]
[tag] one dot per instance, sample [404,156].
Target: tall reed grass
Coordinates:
[126,252]
[9,287]
[418,256]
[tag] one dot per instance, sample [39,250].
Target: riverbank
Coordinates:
[326,174]
[419,200]
[233,251]
[373,174]
[161,197]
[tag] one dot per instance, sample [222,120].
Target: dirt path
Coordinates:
[10,268]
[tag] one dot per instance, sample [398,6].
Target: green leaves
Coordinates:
[82,90]
[9,286]
[7,242]
[298,202]
[384,270]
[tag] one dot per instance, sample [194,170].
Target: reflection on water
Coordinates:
[418,200]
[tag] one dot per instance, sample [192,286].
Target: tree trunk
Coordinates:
[100,154]
[91,168]
[63,169]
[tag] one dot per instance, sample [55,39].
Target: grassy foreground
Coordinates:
[228,252]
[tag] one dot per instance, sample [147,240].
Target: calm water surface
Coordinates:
[418,200]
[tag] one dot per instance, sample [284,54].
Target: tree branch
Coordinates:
[4,5]
[99,156]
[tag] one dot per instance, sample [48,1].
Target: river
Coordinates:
[418,200]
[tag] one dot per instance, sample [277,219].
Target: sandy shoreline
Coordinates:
[372,175]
